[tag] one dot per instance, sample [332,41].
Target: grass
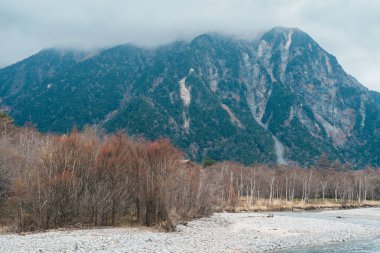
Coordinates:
[263,205]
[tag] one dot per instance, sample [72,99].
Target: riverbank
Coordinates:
[222,232]
[266,205]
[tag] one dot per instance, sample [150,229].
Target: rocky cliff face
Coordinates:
[278,99]
[296,86]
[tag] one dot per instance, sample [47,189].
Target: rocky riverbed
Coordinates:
[222,232]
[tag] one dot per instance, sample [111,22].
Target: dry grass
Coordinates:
[262,205]
[4,230]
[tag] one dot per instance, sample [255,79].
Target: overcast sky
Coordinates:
[349,29]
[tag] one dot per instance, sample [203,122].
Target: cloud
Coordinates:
[346,28]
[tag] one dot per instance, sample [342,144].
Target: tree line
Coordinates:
[81,179]
[92,179]
[289,183]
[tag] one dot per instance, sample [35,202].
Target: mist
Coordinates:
[346,28]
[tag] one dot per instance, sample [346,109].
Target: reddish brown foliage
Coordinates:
[82,179]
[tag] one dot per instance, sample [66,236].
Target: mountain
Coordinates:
[375,96]
[279,98]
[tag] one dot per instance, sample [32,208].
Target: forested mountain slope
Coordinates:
[280,98]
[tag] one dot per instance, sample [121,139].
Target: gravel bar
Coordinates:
[222,232]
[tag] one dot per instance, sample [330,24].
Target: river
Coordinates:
[369,246]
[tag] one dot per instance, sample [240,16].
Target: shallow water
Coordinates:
[369,246]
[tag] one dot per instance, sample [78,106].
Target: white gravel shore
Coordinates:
[222,232]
